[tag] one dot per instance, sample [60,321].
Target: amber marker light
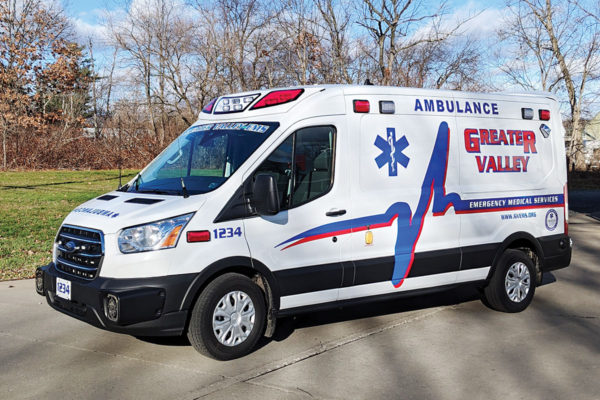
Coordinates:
[171,240]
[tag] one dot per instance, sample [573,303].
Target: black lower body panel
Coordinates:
[557,252]
[147,306]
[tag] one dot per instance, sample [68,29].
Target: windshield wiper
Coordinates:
[184,189]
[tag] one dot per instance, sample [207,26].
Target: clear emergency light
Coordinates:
[527,113]
[233,104]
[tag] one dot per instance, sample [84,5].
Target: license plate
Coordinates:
[63,288]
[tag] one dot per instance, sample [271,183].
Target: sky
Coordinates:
[87,14]
[87,17]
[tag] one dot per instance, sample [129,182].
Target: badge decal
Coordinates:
[551,219]
[391,151]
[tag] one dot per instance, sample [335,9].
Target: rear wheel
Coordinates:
[512,285]
[228,318]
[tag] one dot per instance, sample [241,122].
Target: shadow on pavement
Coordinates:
[287,325]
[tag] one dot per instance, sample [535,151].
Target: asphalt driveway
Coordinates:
[447,346]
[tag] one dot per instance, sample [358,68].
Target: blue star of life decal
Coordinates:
[391,152]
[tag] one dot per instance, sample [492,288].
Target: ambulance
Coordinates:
[276,202]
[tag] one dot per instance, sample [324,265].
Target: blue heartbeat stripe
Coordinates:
[433,190]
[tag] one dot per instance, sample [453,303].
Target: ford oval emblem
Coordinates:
[70,247]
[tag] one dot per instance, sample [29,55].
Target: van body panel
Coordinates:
[427,195]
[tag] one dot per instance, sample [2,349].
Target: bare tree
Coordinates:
[336,24]
[397,26]
[565,39]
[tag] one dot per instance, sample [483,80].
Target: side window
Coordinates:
[279,165]
[311,173]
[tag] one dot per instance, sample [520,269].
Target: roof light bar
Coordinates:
[278,97]
[361,106]
[234,104]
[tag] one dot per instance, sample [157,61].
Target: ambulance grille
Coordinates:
[79,251]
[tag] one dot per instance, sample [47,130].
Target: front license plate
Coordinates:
[63,288]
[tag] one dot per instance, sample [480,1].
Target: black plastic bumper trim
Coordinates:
[148,306]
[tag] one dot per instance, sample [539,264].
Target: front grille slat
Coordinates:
[73,265]
[80,251]
[73,237]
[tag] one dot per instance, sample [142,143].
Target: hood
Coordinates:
[117,210]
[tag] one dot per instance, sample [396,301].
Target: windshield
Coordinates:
[203,157]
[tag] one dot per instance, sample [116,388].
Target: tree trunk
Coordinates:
[4,148]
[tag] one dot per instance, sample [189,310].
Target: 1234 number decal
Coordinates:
[224,233]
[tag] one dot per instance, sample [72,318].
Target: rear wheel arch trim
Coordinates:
[513,238]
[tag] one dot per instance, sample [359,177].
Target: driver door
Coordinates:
[297,244]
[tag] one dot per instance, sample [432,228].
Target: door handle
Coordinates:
[335,212]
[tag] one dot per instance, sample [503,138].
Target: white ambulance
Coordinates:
[281,201]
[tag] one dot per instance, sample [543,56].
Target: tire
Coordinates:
[234,336]
[503,292]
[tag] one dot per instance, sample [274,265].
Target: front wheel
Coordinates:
[512,285]
[228,318]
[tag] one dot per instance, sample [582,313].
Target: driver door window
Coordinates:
[302,165]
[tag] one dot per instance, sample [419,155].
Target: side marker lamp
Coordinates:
[198,236]
[361,106]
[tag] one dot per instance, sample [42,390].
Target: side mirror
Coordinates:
[265,197]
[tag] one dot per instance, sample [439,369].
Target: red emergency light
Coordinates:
[209,107]
[545,115]
[361,106]
[278,97]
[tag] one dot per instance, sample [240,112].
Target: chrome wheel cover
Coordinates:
[233,318]
[517,282]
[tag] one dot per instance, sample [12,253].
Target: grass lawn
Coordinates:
[32,207]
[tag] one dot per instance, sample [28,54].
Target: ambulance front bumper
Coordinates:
[139,307]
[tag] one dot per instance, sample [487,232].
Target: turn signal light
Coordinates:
[171,240]
[545,115]
[198,236]
[361,106]
[278,97]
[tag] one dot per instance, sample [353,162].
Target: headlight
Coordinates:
[153,236]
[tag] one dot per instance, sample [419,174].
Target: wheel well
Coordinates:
[257,277]
[528,247]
